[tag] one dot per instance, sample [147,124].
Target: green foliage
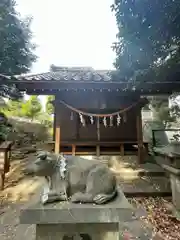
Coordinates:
[32,107]
[146,107]
[5,127]
[4,131]
[49,105]
[165,114]
[16,49]
[14,108]
[148,33]
[45,119]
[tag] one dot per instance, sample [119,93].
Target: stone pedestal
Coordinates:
[66,221]
[170,153]
[175,184]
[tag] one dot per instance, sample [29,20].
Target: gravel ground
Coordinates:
[20,190]
[159,215]
[10,227]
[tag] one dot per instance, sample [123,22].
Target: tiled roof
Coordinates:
[70,74]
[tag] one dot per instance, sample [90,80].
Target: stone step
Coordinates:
[145,186]
[147,169]
[139,173]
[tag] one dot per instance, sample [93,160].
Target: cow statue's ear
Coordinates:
[42,155]
[48,159]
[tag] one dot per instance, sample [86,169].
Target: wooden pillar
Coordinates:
[57,129]
[122,149]
[73,149]
[98,150]
[140,137]
[54,123]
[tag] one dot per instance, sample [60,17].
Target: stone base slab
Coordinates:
[65,212]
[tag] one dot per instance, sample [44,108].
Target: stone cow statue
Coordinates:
[74,178]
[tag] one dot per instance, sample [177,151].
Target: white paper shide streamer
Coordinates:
[91,119]
[46,190]
[118,120]
[82,120]
[111,121]
[72,116]
[105,121]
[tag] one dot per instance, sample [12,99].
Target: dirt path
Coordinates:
[20,191]
[10,227]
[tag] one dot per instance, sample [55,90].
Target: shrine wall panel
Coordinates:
[71,131]
[68,126]
[126,131]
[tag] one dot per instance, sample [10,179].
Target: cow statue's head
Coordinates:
[44,165]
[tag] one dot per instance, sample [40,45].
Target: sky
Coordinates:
[71,32]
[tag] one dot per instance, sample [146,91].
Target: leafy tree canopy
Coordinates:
[16,48]
[148,39]
[49,105]
[165,113]
[32,107]
[14,108]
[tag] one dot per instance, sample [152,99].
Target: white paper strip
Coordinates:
[62,167]
[82,120]
[72,116]
[111,121]
[44,196]
[91,119]
[105,121]
[118,120]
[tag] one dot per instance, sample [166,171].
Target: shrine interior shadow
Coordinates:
[82,236]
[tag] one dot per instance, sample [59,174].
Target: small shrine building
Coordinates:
[95,112]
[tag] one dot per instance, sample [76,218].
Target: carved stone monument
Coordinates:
[66,220]
[84,202]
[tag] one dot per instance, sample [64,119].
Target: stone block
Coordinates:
[175,185]
[65,212]
[67,221]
